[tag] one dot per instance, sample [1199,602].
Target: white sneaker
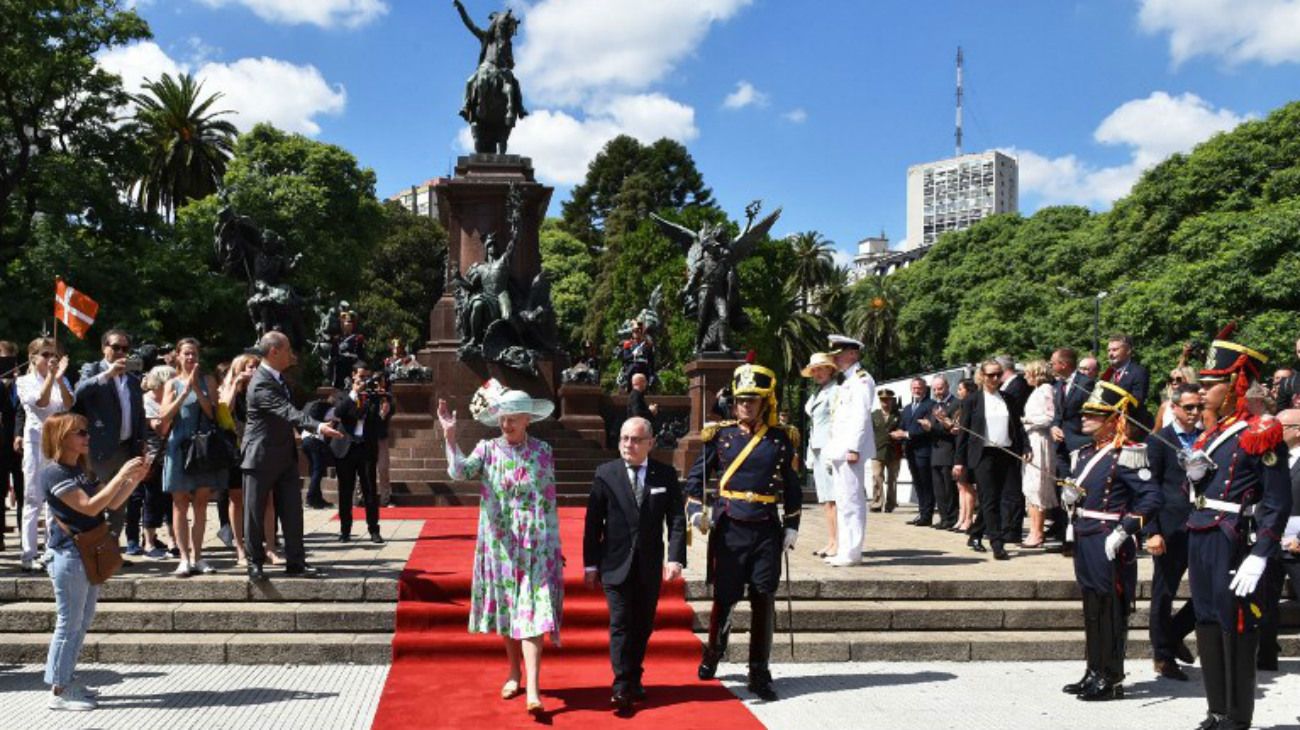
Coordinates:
[226,536]
[71,700]
[89,693]
[202,567]
[840,562]
[182,570]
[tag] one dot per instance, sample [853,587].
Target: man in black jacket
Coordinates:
[942,445]
[990,438]
[363,414]
[632,500]
[270,458]
[1287,564]
[1166,535]
[1069,393]
[1130,375]
[916,419]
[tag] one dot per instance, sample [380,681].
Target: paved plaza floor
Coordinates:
[822,696]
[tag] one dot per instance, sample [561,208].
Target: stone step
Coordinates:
[199,617]
[869,589]
[848,616]
[229,647]
[952,646]
[223,587]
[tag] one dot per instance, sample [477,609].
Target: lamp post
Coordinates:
[1096,313]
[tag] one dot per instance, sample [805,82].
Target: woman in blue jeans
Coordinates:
[76,500]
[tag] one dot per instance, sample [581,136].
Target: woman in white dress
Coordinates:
[821,368]
[43,392]
[1039,474]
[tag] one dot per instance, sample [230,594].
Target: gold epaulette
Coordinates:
[711,429]
[1134,456]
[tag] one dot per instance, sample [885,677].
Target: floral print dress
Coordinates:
[518,587]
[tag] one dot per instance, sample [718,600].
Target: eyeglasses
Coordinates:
[48,355]
[994,374]
[1192,407]
[119,347]
[632,439]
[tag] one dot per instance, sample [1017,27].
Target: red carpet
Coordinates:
[442,676]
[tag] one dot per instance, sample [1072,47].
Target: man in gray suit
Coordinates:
[109,396]
[270,459]
[1287,564]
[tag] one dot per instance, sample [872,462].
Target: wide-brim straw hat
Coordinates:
[492,401]
[818,360]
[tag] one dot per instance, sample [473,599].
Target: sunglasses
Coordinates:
[119,348]
[1192,408]
[994,374]
[83,433]
[48,355]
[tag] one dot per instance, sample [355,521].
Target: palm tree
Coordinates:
[188,147]
[813,263]
[832,298]
[791,332]
[873,319]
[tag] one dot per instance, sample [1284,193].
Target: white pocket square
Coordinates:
[658,490]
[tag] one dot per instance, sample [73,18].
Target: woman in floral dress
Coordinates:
[518,587]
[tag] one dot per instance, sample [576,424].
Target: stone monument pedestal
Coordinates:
[707,376]
[580,410]
[471,205]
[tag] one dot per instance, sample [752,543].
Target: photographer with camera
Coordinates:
[362,414]
[108,394]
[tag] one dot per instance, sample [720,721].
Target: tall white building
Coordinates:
[953,194]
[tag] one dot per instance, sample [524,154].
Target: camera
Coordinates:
[373,385]
[134,364]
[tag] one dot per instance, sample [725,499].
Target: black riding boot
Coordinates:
[762,624]
[1091,645]
[1209,645]
[719,632]
[1241,655]
[1108,668]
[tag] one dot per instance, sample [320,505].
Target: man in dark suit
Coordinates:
[991,436]
[1287,564]
[270,458]
[1069,393]
[11,435]
[1166,535]
[632,500]
[363,413]
[1130,375]
[916,419]
[943,442]
[637,406]
[1015,391]
[109,396]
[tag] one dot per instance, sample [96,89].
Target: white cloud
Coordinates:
[796,116]
[744,95]
[1238,31]
[561,145]
[577,50]
[1152,128]
[323,13]
[841,258]
[255,89]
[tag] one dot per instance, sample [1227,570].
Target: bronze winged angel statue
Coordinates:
[711,295]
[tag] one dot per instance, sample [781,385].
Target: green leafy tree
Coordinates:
[57,112]
[188,146]
[873,319]
[571,268]
[402,279]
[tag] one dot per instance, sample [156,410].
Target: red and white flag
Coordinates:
[73,308]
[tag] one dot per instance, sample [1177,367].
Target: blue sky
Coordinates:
[815,107]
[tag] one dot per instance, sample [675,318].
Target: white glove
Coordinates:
[697,521]
[790,537]
[1248,575]
[1113,542]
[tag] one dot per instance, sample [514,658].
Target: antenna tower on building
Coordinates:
[958,101]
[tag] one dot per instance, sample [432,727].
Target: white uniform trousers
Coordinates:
[850,508]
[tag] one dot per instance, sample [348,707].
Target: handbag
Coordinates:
[100,554]
[210,448]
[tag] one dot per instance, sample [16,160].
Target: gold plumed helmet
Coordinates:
[755,380]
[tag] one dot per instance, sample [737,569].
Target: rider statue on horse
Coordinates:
[493,102]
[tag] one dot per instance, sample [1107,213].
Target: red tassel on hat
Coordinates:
[750,357]
[1227,330]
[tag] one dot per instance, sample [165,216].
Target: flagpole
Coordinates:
[56,314]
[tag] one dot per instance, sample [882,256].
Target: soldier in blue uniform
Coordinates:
[755,460]
[1111,495]
[1239,482]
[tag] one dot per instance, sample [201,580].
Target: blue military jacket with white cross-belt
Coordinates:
[1248,487]
[1118,491]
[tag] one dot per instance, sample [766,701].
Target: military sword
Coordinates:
[985,439]
[1136,422]
[789,603]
